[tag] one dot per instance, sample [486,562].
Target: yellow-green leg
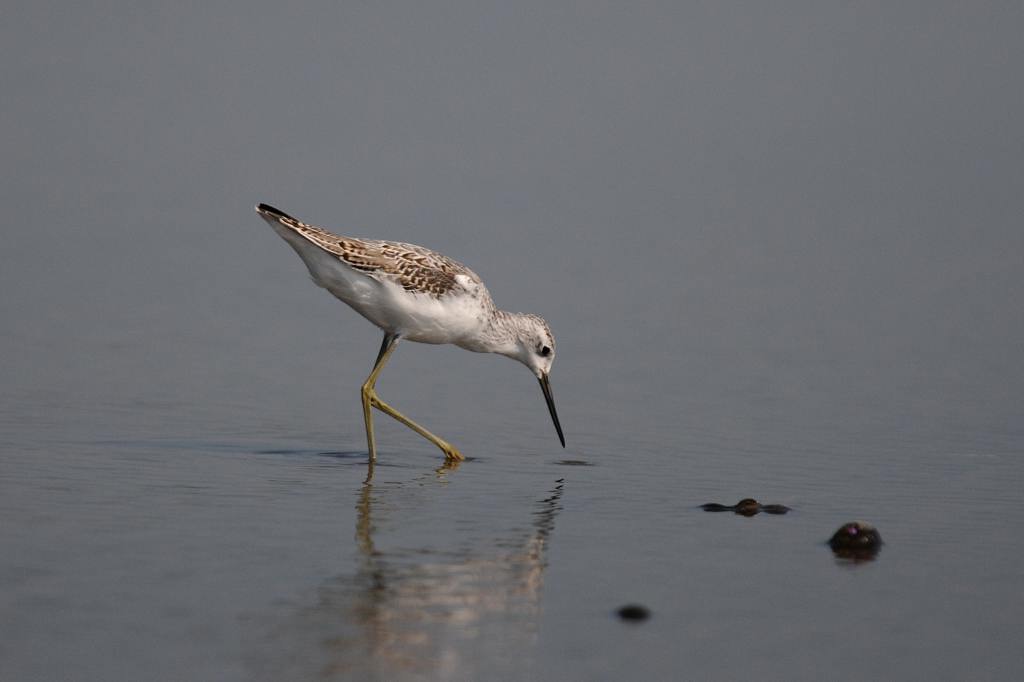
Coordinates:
[371,399]
[386,348]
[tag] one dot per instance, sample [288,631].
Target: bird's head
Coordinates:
[535,348]
[535,345]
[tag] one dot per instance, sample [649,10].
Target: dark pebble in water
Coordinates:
[634,612]
[748,506]
[856,539]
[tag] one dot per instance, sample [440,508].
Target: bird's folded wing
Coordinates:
[415,268]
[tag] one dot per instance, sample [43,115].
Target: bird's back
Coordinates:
[441,294]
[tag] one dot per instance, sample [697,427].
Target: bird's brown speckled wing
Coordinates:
[415,268]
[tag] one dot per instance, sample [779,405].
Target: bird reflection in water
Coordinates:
[421,612]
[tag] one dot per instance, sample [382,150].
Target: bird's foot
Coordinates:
[447,466]
[451,455]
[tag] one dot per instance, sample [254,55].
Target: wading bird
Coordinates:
[413,293]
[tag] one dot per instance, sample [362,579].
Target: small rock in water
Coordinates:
[856,540]
[748,506]
[634,612]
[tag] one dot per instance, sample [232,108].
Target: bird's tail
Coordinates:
[268,211]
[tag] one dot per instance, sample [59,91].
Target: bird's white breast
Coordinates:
[417,317]
[428,319]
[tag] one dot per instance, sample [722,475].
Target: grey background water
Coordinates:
[779,244]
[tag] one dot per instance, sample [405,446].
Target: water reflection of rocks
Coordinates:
[420,612]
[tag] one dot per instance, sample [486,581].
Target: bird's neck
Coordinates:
[499,334]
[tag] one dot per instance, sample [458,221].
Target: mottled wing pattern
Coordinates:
[415,268]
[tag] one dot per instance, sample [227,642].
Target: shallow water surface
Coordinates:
[260,558]
[779,247]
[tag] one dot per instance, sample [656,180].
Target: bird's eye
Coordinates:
[545,351]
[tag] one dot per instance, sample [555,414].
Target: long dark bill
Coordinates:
[545,386]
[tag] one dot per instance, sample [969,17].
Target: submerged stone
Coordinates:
[748,506]
[634,612]
[856,540]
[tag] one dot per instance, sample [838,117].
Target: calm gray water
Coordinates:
[781,252]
